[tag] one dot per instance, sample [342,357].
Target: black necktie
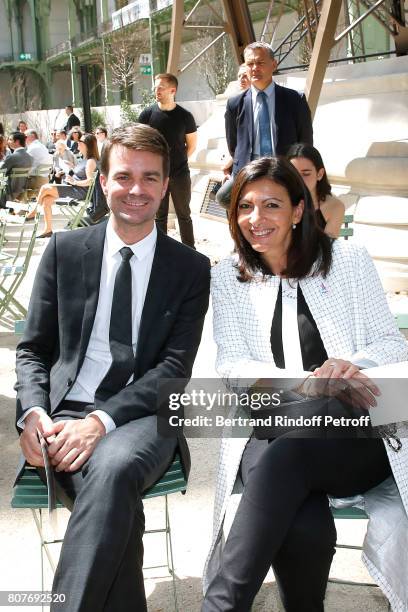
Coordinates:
[120,332]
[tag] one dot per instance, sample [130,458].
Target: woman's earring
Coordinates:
[294,226]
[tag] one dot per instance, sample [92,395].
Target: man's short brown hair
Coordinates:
[137,137]
[167,76]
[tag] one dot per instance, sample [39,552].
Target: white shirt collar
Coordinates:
[140,249]
[268,90]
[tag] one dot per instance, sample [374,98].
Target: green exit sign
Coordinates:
[25,56]
[146,70]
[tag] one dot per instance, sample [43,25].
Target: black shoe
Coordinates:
[45,235]
[214,190]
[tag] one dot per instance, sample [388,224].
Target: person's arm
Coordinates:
[333,211]
[191,143]
[230,129]
[383,342]
[89,169]
[38,348]
[304,122]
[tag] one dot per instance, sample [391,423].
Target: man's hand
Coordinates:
[74,443]
[29,440]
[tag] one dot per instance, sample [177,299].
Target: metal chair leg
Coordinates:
[169,553]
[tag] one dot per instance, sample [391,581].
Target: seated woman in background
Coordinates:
[74,137]
[3,148]
[329,209]
[75,186]
[293,302]
[63,160]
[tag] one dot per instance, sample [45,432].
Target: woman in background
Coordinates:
[329,209]
[75,185]
[75,136]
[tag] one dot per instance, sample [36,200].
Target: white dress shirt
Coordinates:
[270,94]
[98,358]
[39,153]
[292,350]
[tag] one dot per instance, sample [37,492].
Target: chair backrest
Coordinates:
[42,170]
[75,223]
[345,230]
[18,179]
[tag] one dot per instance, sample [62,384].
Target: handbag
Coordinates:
[323,417]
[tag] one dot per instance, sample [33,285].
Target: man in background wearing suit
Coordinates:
[18,160]
[266,119]
[72,119]
[115,309]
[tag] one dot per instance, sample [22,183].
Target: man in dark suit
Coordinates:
[267,118]
[115,309]
[18,160]
[72,119]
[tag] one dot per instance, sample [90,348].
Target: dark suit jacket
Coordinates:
[20,159]
[61,314]
[72,120]
[292,119]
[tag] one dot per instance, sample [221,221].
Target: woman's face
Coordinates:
[266,216]
[60,147]
[82,147]
[74,135]
[308,172]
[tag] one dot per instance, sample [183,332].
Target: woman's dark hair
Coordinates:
[75,130]
[1,129]
[3,146]
[310,251]
[323,187]
[91,146]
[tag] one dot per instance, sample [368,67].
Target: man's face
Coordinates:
[100,135]
[68,111]
[61,136]
[164,91]
[134,189]
[29,138]
[22,126]
[243,80]
[260,67]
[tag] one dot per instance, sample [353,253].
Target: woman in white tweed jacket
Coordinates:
[355,328]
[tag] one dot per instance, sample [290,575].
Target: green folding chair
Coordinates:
[30,492]
[13,273]
[345,230]
[19,176]
[75,211]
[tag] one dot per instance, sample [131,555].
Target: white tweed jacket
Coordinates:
[355,323]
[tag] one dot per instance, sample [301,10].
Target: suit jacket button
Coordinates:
[69,382]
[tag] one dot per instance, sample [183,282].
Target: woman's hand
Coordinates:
[344,380]
[336,368]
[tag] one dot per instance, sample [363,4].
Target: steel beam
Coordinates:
[177,20]
[321,51]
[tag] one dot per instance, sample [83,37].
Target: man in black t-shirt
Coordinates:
[179,129]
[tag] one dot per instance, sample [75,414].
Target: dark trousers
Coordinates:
[100,567]
[180,190]
[284,518]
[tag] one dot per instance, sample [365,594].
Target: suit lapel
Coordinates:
[91,276]
[279,112]
[160,278]
[248,113]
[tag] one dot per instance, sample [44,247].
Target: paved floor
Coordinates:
[191,515]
